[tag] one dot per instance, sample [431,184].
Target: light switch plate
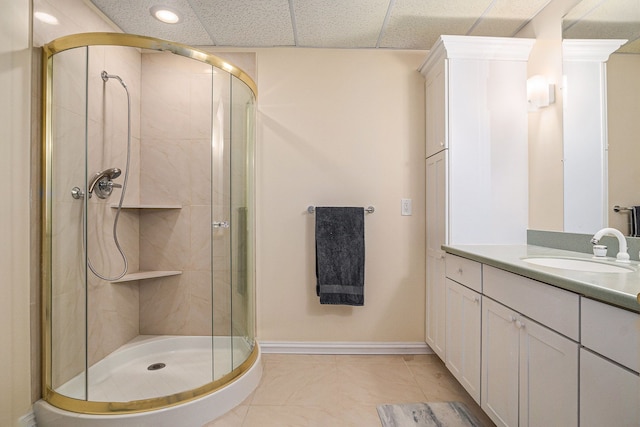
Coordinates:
[406,207]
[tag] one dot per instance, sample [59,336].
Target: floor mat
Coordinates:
[436,414]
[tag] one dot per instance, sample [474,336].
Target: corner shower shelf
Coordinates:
[144,206]
[141,275]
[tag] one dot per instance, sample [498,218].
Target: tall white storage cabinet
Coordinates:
[476,148]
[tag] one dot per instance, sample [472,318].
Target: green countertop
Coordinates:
[619,289]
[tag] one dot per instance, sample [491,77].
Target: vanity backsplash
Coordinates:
[581,242]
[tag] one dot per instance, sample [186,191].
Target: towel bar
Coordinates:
[617,208]
[368,209]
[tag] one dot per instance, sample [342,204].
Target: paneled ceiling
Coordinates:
[605,19]
[396,24]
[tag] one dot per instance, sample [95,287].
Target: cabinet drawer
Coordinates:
[612,332]
[464,271]
[553,307]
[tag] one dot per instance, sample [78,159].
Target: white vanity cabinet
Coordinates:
[463,322]
[476,149]
[543,356]
[529,368]
[609,365]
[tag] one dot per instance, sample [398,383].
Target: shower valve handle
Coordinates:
[108,185]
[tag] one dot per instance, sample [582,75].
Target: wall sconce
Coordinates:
[540,93]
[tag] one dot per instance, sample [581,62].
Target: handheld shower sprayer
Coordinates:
[104,182]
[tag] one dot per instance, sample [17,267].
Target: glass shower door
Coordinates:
[232,233]
[242,138]
[67,349]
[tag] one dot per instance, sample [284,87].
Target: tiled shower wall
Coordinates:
[112,313]
[177,151]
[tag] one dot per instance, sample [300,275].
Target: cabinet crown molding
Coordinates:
[589,50]
[482,48]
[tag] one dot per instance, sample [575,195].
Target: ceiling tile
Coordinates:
[339,23]
[612,19]
[579,11]
[256,23]
[134,17]
[506,17]
[417,24]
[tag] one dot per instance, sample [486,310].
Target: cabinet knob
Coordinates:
[476,299]
[519,324]
[512,319]
[441,144]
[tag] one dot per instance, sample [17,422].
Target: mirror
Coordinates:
[617,172]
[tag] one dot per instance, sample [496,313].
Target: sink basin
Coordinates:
[579,264]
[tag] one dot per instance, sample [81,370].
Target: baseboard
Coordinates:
[313,347]
[27,420]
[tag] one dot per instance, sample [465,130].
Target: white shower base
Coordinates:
[123,376]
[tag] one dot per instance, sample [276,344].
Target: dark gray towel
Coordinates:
[340,255]
[634,220]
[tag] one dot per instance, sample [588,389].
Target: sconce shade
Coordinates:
[539,92]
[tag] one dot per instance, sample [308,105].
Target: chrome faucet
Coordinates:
[622,256]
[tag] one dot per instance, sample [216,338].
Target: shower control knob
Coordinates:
[77,193]
[220,224]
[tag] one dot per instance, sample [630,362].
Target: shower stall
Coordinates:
[148,231]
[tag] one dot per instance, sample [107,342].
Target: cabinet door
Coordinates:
[609,394]
[436,201]
[548,376]
[436,304]
[500,353]
[463,336]
[436,237]
[435,109]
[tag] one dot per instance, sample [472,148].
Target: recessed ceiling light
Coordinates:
[165,14]
[46,18]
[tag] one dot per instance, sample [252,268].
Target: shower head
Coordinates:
[112,173]
[106,76]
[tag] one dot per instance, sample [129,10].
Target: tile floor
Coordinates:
[343,390]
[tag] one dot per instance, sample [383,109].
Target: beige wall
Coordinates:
[15,115]
[345,128]
[545,125]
